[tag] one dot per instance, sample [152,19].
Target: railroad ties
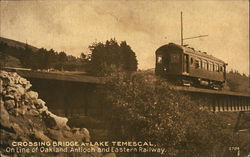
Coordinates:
[218,101]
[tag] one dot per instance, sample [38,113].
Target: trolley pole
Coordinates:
[182,39]
[181,31]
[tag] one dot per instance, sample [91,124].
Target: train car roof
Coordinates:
[189,50]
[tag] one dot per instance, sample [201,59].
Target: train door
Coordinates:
[185,63]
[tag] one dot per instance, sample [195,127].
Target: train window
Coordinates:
[221,68]
[216,67]
[204,65]
[210,66]
[159,59]
[174,58]
[192,60]
[197,63]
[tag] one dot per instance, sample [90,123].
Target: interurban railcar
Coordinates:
[187,66]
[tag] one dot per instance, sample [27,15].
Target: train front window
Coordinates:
[159,59]
[174,58]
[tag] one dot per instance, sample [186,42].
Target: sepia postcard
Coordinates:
[128,78]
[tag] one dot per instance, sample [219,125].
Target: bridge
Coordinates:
[80,77]
[217,101]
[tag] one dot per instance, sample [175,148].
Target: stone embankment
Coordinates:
[25,117]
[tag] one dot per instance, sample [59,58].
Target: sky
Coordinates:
[72,26]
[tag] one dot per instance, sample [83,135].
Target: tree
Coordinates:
[237,82]
[28,57]
[128,57]
[109,57]
[40,59]
[141,107]
[83,57]
[62,58]
[50,58]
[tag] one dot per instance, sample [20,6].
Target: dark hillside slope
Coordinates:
[34,58]
[238,82]
[9,61]
[17,44]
